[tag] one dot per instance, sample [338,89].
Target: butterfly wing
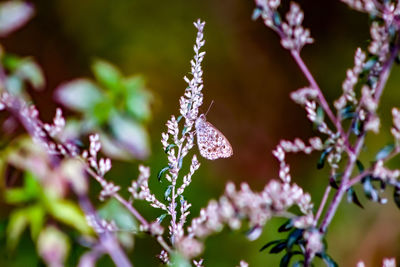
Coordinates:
[212,143]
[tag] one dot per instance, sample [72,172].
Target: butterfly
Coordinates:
[211,142]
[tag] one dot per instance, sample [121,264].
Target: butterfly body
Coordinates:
[211,142]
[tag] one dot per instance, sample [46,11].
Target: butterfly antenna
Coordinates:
[209,107]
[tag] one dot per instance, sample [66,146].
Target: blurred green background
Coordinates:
[249,77]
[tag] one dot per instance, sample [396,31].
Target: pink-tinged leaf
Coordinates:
[13,15]
[79,94]
[131,136]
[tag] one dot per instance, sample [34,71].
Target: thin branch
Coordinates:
[296,56]
[323,203]
[107,240]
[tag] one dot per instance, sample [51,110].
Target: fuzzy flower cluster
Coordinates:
[311,108]
[242,263]
[352,75]
[140,189]
[198,263]
[388,262]
[100,166]
[314,243]
[396,124]
[379,45]
[304,95]
[384,173]
[267,9]
[294,35]
[193,98]
[100,225]
[367,6]
[42,133]
[293,147]
[257,208]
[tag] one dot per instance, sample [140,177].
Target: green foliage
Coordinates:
[112,210]
[22,71]
[177,260]
[115,106]
[37,205]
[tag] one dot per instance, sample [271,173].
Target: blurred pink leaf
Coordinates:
[79,94]
[13,15]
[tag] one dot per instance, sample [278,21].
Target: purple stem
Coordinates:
[313,83]
[359,143]
[107,240]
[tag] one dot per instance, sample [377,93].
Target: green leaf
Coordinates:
[101,112]
[113,210]
[184,131]
[285,260]
[278,248]
[298,264]
[16,226]
[16,195]
[357,126]
[167,192]
[36,216]
[180,162]
[276,18]
[31,72]
[333,180]
[320,115]
[256,13]
[324,154]
[112,148]
[347,112]
[168,148]
[272,243]
[369,189]
[160,173]
[14,85]
[396,196]
[69,213]
[31,184]
[294,237]
[130,135]
[352,197]
[11,62]
[327,259]
[370,63]
[384,152]
[108,75]
[79,95]
[286,226]
[161,217]
[179,118]
[177,260]
[138,99]
[360,166]
[30,190]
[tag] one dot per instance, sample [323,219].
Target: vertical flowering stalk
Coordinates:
[177,142]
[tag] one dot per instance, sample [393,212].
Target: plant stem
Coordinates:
[107,240]
[344,185]
[130,208]
[323,203]
[313,83]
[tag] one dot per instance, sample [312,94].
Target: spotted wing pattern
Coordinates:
[211,142]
